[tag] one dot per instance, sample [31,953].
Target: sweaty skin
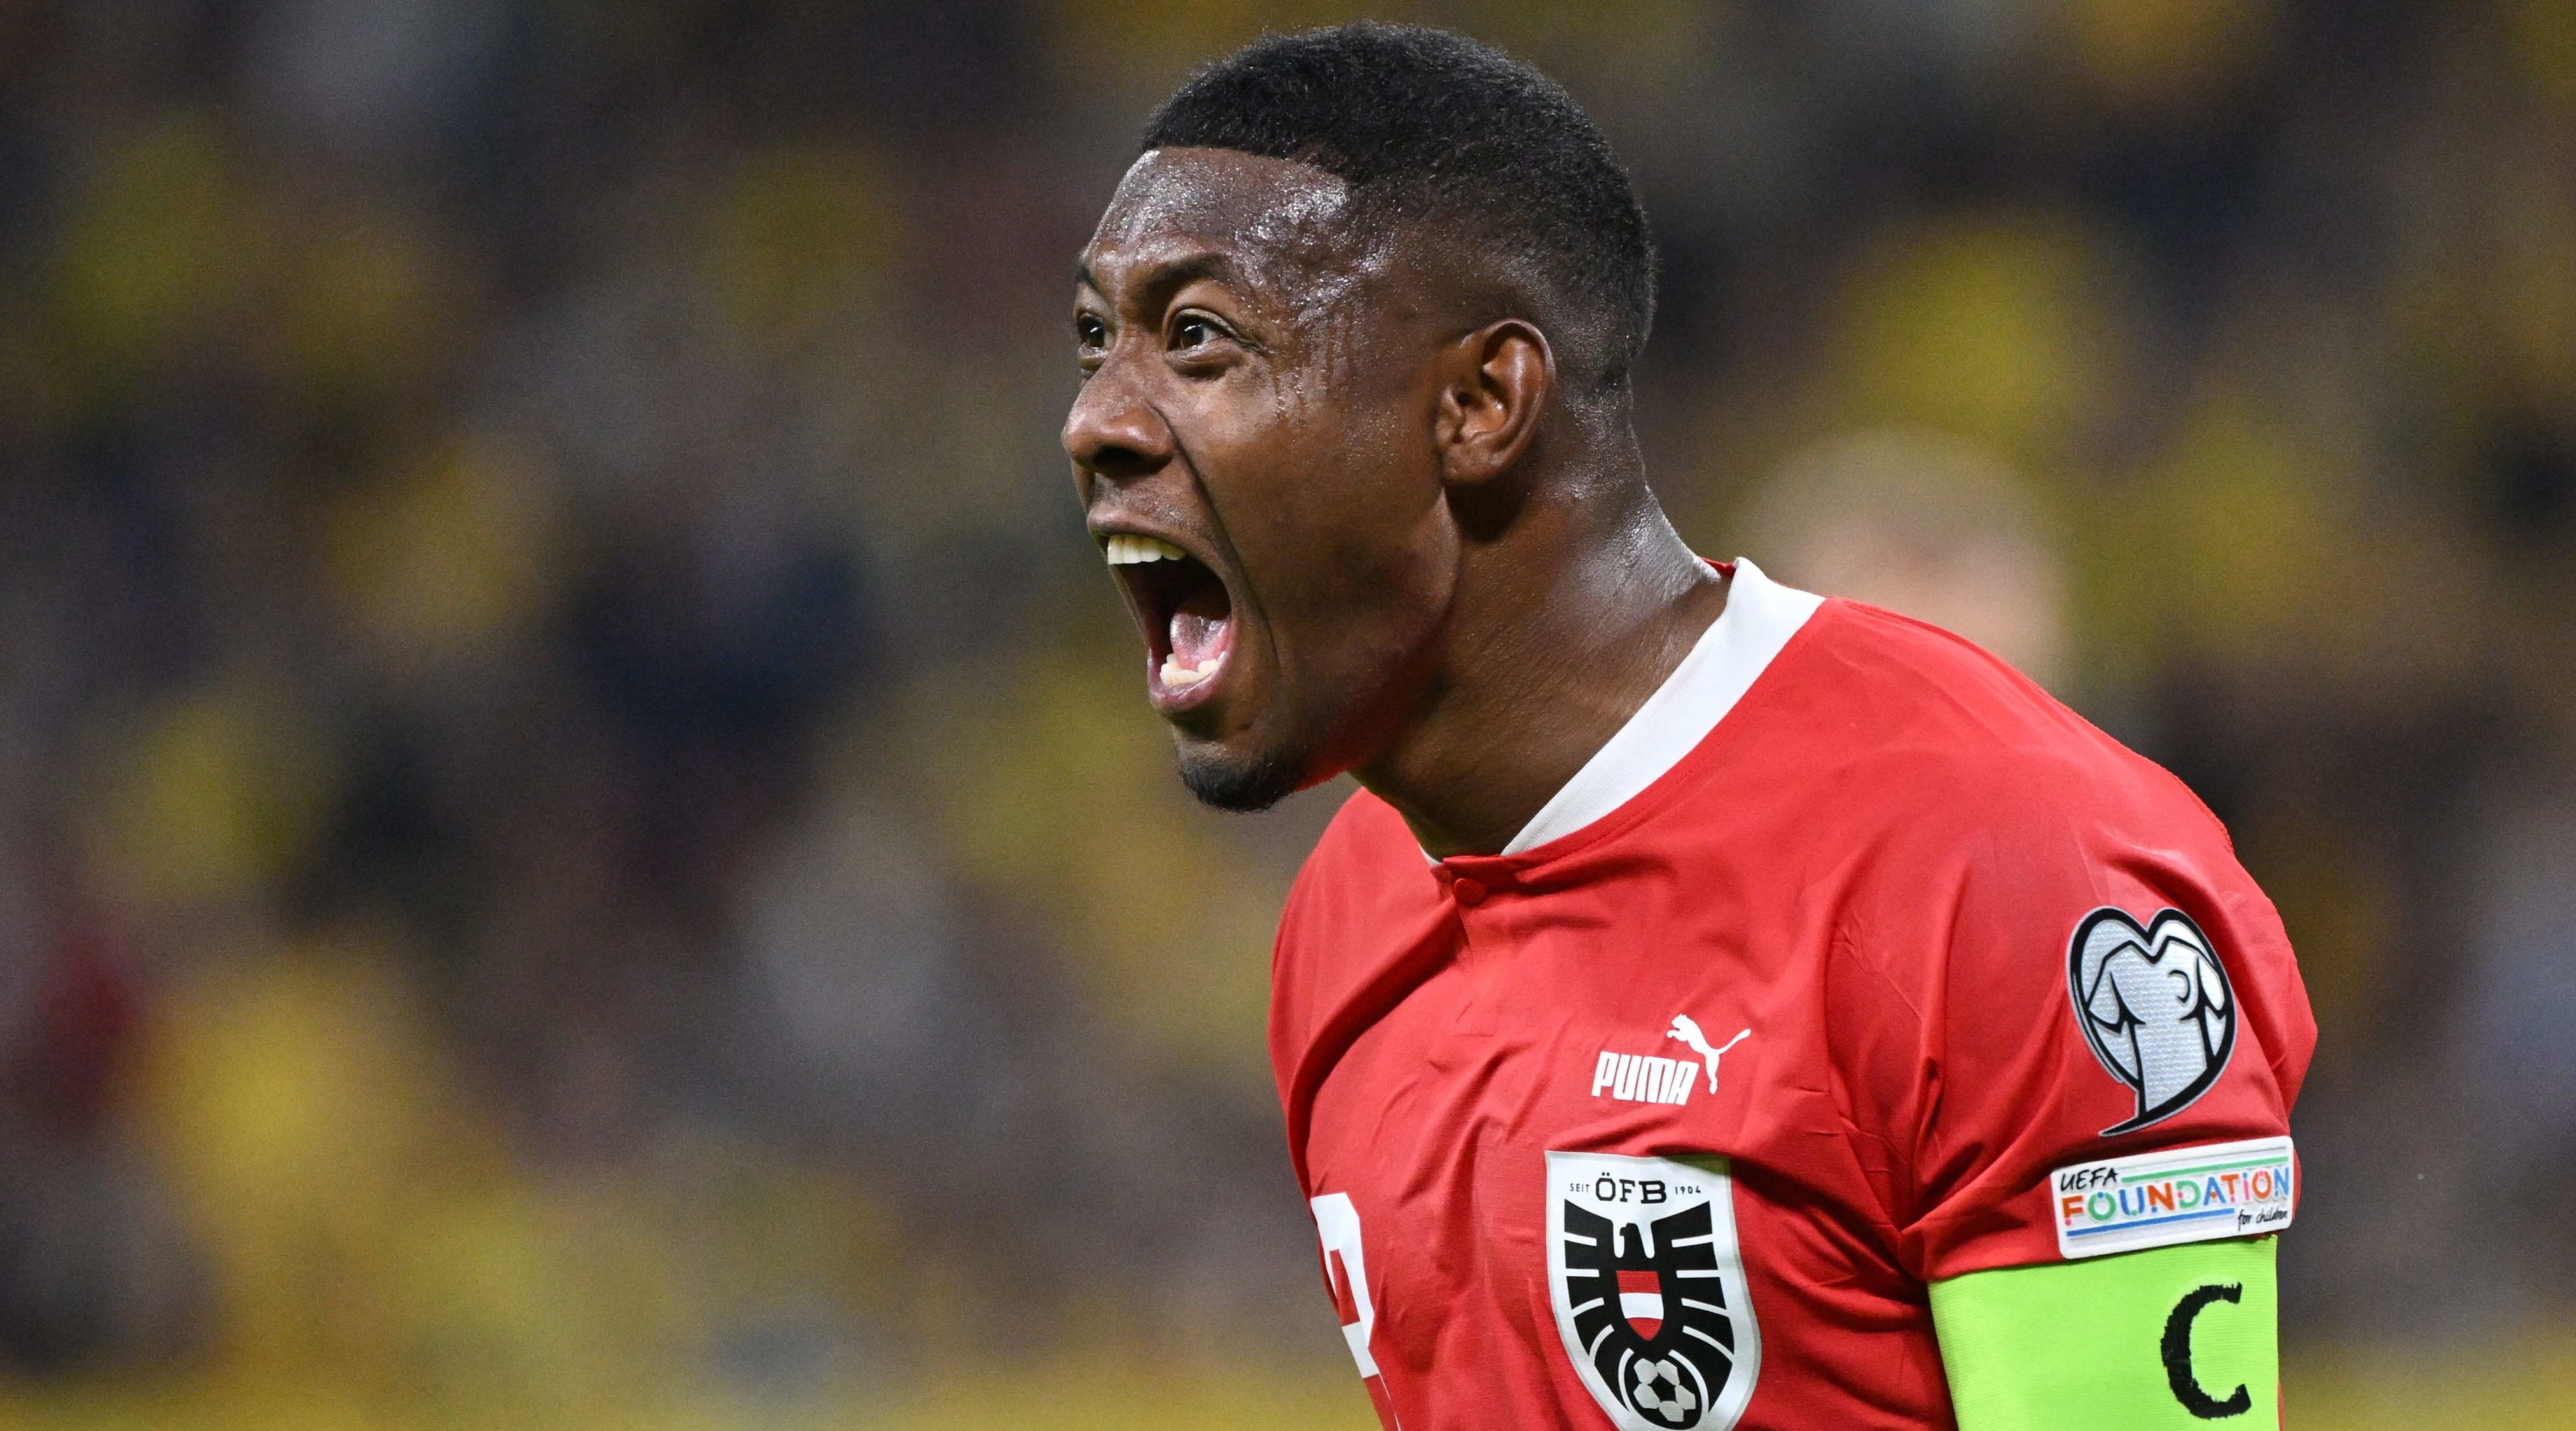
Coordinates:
[1446,572]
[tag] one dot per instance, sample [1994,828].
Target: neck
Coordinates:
[1562,625]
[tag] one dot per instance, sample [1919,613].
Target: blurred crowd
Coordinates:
[578,828]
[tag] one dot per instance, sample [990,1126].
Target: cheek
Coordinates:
[1333,509]
[1302,487]
[1346,517]
[1365,569]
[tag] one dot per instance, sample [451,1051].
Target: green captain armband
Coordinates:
[2139,1341]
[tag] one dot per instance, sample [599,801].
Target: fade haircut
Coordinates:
[1431,129]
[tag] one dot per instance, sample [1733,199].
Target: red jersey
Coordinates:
[1853,963]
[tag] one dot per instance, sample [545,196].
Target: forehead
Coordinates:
[1264,221]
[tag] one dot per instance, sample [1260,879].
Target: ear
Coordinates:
[1494,383]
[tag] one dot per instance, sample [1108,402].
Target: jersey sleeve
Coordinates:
[2070,1025]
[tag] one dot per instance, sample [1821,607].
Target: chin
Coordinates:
[1240,781]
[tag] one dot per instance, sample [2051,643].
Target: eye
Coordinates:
[1196,330]
[1089,333]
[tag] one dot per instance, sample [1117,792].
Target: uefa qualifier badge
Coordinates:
[2155,1004]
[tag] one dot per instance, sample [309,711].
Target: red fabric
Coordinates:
[1875,863]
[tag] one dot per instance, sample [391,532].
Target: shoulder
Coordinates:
[1971,821]
[1362,887]
[1362,896]
[1929,735]
[1366,854]
[1365,877]
[2015,899]
[1981,828]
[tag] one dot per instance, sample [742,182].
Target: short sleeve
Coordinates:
[2072,973]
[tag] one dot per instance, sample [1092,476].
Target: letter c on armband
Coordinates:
[2177,1355]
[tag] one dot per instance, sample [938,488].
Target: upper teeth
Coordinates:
[1127,550]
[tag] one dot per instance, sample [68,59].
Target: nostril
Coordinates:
[1115,460]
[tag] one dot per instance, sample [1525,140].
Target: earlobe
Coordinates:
[1494,384]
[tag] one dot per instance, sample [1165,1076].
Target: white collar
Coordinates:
[1760,617]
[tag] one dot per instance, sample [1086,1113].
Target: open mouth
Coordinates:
[1183,608]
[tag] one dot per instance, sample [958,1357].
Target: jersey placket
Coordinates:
[1482,903]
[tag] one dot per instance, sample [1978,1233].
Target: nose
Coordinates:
[1113,431]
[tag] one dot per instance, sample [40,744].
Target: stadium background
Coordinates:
[579,844]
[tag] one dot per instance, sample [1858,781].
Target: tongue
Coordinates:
[1202,627]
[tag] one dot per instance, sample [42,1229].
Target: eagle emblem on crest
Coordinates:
[1648,1286]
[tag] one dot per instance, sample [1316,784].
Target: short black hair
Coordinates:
[1438,129]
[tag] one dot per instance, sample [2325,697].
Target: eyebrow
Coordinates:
[1166,276]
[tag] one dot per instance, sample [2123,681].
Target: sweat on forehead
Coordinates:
[1256,208]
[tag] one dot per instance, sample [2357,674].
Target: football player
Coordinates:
[1721,1006]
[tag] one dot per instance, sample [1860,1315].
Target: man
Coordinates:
[1721,1007]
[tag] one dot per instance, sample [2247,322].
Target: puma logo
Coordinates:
[1643,1078]
[1687,1030]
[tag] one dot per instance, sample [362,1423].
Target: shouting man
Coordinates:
[2010,1039]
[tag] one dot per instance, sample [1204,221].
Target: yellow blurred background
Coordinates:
[578,841]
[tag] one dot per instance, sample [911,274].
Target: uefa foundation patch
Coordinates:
[2178,1195]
